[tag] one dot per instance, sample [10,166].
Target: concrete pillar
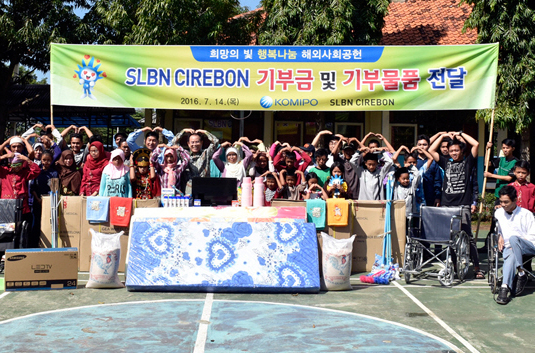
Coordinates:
[168,119]
[373,122]
[148,117]
[385,125]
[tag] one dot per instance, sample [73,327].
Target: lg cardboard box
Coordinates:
[106,228]
[150,203]
[70,216]
[31,269]
[367,221]
[285,203]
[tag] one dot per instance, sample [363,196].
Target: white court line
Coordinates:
[95,305]
[437,319]
[4,294]
[354,285]
[446,343]
[449,344]
[203,325]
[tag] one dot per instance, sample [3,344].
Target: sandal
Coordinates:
[479,274]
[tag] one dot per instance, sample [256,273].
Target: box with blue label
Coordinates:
[34,269]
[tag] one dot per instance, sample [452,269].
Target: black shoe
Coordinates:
[503,296]
[520,284]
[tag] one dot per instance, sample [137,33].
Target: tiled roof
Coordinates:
[427,22]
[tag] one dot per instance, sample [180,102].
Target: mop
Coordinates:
[54,187]
[383,271]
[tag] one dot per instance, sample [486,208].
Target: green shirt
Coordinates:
[504,169]
[323,175]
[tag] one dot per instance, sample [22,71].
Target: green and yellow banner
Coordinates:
[275,77]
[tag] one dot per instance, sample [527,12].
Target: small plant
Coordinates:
[488,207]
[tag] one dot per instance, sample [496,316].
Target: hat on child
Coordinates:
[141,157]
[15,140]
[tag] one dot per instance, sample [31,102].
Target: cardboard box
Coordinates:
[106,228]
[85,250]
[74,229]
[367,221]
[70,213]
[31,269]
[284,203]
[150,203]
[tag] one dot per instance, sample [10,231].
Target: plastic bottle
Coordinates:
[246,192]
[258,195]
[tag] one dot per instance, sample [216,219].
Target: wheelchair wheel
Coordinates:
[413,259]
[24,235]
[445,276]
[490,249]
[493,283]
[462,250]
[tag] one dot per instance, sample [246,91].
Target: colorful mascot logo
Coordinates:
[89,75]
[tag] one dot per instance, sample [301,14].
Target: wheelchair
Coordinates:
[13,230]
[437,226]
[495,263]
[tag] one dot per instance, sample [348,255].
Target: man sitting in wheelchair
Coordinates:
[516,229]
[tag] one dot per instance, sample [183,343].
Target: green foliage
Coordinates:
[28,77]
[26,30]
[509,22]
[488,207]
[162,22]
[322,22]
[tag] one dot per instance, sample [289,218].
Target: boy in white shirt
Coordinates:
[516,229]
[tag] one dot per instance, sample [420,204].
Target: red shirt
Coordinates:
[15,185]
[525,195]
[302,167]
[91,180]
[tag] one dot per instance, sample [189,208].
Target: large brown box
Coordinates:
[106,228]
[70,213]
[74,229]
[31,269]
[367,221]
[285,203]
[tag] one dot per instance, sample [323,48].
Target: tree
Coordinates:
[323,22]
[27,77]
[26,30]
[162,22]
[509,22]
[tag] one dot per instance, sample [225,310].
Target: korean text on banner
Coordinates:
[287,78]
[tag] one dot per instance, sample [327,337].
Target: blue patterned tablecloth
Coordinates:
[223,257]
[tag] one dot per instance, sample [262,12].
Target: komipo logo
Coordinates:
[266,102]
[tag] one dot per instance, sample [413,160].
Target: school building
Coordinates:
[416,22]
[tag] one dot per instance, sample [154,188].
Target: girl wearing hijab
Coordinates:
[172,166]
[234,167]
[70,175]
[38,149]
[116,177]
[93,167]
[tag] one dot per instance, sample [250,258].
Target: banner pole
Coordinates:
[487,157]
[51,114]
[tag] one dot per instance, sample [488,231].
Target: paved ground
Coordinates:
[422,316]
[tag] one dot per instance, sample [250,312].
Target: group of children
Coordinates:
[429,173]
